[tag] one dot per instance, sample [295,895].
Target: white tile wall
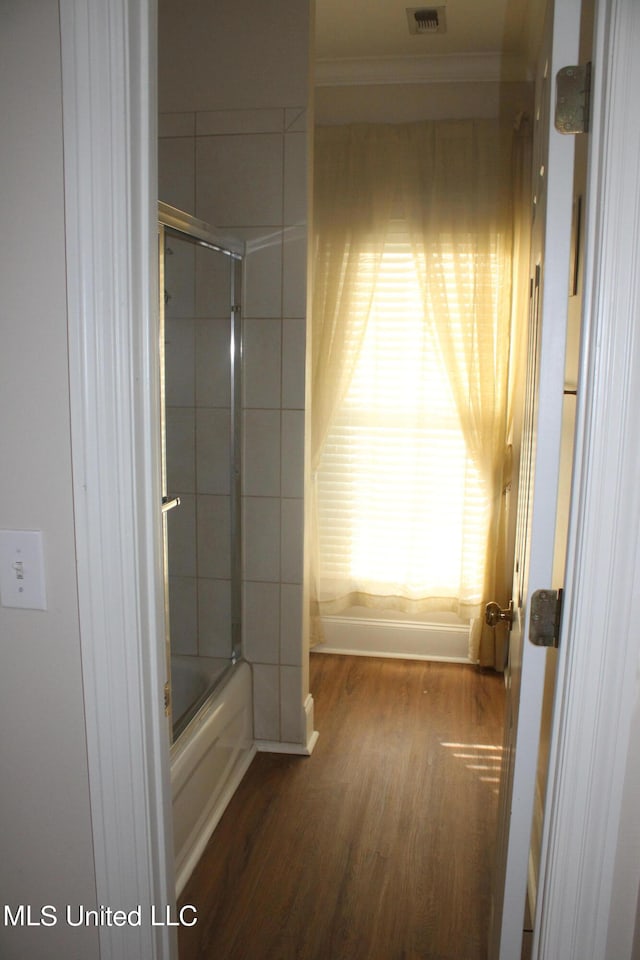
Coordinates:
[261,461]
[213,433]
[181,524]
[181,450]
[262,364]
[261,622]
[294,343]
[214,618]
[184,619]
[263,272]
[176,173]
[239,179]
[290,702]
[292,453]
[290,620]
[214,523]
[261,534]
[212,363]
[266,701]
[251,180]
[292,534]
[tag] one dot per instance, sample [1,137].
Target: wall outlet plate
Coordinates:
[22,581]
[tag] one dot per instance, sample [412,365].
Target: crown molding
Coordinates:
[442,68]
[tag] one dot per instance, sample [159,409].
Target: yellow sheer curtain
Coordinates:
[446,187]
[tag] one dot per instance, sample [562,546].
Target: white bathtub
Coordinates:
[208,760]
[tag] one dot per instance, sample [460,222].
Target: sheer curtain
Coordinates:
[415,239]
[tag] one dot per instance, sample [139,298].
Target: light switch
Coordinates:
[22,569]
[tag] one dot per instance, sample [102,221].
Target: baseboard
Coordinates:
[277,746]
[196,850]
[404,640]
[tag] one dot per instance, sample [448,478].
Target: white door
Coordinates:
[539,470]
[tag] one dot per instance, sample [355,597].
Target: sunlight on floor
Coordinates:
[483,757]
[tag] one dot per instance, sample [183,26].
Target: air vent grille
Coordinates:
[426,20]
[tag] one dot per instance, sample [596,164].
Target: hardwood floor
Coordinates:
[379,845]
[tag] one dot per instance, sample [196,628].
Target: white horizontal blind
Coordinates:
[402,511]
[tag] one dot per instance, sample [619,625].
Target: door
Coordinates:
[539,473]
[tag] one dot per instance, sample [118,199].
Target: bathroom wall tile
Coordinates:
[239,179]
[217,122]
[292,453]
[179,353]
[261,454]
[261,531]
[294,272]
[291,624]
[176,172]
[295,119]
[263,273]
[179,277]
[295,178]
[213,283]
[266,702]
[292,530]
[214,618]
[294,344]
[176,124]
[261,367]
[181,451]
[212,363]
[291,719]
[213,520]
[213,437]
[261,622]
[181,527]
[183,612]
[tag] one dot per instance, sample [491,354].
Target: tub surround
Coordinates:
[233,152]
[207,764]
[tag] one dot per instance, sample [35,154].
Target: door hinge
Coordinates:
[167,699]
[573,94]
[546,613]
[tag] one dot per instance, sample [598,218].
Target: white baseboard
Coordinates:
[405,640]
[277,746]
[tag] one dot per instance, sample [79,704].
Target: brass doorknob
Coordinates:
[494,614]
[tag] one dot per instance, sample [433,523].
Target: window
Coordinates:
[402,509]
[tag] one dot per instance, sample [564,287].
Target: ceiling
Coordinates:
[507,30]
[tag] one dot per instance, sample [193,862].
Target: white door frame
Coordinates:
[108,52]
[591,849]
[109,117]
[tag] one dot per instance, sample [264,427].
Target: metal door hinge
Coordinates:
[167,699]
[573,91]
[546,613]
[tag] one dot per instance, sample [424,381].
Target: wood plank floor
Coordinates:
[379,845]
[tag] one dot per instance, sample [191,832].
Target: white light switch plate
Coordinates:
[22,570]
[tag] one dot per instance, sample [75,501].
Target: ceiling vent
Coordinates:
[423,20]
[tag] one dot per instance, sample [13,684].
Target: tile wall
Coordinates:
[244,172]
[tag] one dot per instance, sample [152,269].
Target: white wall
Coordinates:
[233,93]
[45,833]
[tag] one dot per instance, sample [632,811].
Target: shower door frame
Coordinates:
[177,222]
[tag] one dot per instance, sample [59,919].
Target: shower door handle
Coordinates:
[168,503]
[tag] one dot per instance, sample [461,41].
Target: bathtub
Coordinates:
[211,754]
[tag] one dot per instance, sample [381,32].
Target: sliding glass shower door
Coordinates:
[200,357]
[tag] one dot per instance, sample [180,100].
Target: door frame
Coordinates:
[590,869]
[108,54]
[109,99]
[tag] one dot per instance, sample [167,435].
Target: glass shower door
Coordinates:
[200,361]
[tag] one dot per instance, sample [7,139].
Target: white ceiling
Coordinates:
[506,30]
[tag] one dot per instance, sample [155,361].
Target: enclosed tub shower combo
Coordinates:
[209,695]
